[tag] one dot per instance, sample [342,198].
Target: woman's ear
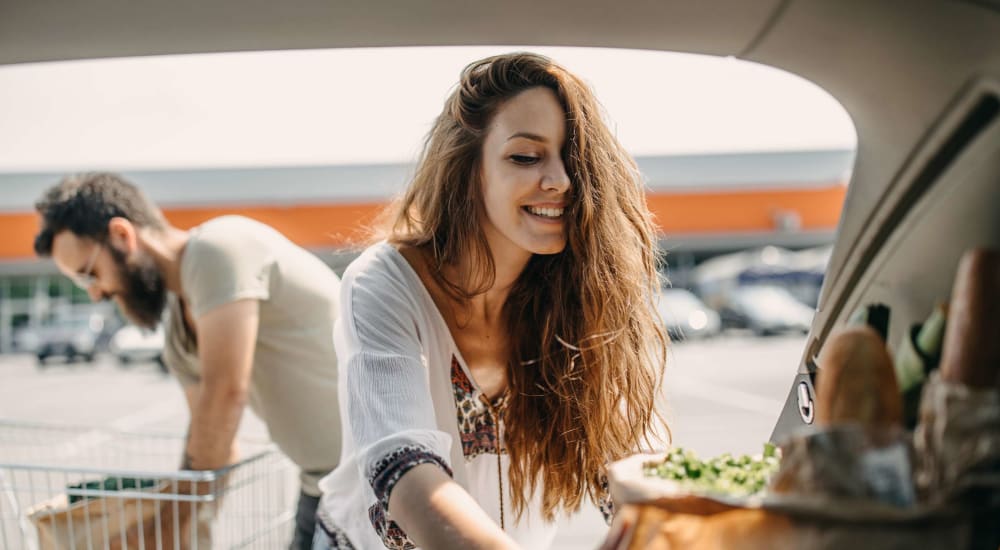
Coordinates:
[122,235]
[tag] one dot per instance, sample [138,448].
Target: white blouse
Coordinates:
[407,397]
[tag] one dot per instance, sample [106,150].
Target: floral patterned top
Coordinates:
[407,398]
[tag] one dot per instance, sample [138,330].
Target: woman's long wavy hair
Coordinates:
[586,352]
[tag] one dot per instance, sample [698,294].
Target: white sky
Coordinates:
[374,105]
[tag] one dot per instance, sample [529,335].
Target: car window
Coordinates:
[745,170]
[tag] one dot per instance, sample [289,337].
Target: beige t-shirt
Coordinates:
[293,385]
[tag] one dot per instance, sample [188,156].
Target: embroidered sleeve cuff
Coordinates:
[390,468]
[384,475]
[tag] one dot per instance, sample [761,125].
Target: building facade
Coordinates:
[703,204]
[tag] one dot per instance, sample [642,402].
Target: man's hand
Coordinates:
[226,338]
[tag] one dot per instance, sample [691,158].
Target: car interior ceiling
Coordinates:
[920,79]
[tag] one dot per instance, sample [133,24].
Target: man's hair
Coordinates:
[85,203]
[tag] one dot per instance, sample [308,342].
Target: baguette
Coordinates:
[971,354]
[857,381]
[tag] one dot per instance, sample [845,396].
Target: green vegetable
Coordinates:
[107,484]
[724,474]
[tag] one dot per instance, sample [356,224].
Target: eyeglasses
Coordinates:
[85,278]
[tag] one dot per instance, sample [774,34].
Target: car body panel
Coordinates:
[768,309]
[61,29]
[133,344]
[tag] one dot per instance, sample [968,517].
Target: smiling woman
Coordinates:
[508,290]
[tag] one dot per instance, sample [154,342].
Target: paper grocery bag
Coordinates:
[653,527]
[121,522]
[658,514]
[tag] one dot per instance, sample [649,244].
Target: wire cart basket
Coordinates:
[67,488]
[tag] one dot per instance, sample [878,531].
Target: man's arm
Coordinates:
[226,338]
[190,399]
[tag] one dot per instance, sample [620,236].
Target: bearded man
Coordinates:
[250,318]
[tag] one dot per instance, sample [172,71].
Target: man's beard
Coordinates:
[145,294]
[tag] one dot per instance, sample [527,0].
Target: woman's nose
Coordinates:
[556,179]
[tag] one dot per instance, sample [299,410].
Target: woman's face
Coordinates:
[525,185]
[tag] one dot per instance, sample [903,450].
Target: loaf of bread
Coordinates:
[971,354]
[857,381]
[651,527]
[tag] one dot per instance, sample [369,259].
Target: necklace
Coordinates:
[496,424]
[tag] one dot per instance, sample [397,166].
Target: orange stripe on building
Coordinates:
[733,212]
[336,225]
[312,226]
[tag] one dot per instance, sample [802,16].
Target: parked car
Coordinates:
[685,316]
[799,272]
[76,337]
[766,309]
[26,340]
[131,344]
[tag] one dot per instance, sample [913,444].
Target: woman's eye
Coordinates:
[523,159]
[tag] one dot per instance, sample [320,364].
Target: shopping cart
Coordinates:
[88,489]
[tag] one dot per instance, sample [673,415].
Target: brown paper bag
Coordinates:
[663,527]
[118,522]
[658,514]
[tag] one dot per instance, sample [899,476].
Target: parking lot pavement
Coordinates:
[723,395]
[133,398]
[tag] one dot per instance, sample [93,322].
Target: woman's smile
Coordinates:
[549,215]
